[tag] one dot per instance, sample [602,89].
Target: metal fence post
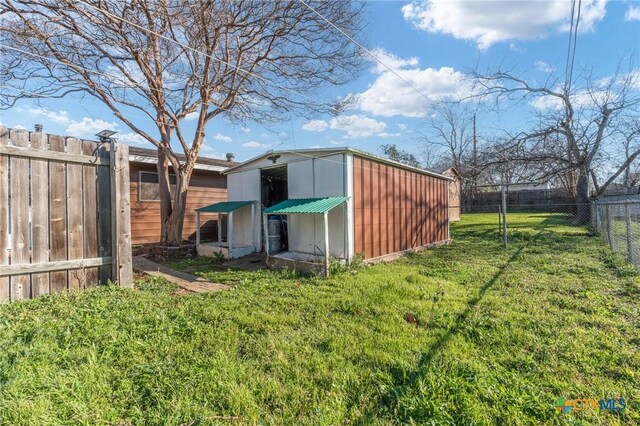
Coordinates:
[504,217]
[609,232]
[630,237]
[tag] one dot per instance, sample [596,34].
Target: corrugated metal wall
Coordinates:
[396,209]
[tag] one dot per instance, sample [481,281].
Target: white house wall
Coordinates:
[245,186]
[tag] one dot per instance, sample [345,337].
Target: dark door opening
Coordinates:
[274,190]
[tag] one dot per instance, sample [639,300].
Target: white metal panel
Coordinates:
[300,179]
[329,176]
[244,186]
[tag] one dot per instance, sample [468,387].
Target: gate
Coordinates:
[64,214]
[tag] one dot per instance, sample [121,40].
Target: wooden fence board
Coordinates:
[4,211]
[39,214]
[103,199]
[75,240]
[19,187]
[58,214]
[64,214]
[90,213]
[123,217]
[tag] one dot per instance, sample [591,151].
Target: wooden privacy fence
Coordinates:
[64,214]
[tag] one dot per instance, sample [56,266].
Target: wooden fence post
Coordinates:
[121,216]
[5,291]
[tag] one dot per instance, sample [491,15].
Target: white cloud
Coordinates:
[388,135]
[544,67]
[60,117]
[88,127]
[358,126]
[209,151]
[245,130]
[316,146]
[392,61]
[19,127]
[489,22]
[222,138]
[580,98]
[633,14]
[133,139]
[390,96]
[315,126]
[192,116]
[254,144]
[334,142]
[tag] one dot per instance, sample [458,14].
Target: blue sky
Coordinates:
[429,43]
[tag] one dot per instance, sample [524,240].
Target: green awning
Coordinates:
[223,207]
[306,205]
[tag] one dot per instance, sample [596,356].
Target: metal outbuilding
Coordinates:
[336,203]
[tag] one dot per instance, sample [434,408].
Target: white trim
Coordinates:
[151,160]
[350,206]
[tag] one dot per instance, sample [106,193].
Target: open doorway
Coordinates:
[274,185]
[274,190]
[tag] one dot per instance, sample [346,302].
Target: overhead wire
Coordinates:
[194,50]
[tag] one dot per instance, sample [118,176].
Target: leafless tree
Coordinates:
[450,127]
[573,127]
[175,60]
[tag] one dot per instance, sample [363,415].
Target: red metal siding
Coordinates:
[396,209]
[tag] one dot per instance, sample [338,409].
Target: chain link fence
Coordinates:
[519,221]
[618,222]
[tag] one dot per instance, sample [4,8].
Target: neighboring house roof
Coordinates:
[150,156]
[451,171]
[327,151]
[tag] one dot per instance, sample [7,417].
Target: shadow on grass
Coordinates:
[405,383]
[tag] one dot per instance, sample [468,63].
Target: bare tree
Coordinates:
[451,128]
[573,126]
[392,152]
[175,60]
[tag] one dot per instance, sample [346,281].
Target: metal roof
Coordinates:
[306,205]
[312,153]
[224,207]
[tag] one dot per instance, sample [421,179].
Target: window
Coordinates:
[149,188]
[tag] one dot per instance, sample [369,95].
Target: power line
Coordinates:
[571,48]
[185,46]
[575,42]
[367,51]
[45,96]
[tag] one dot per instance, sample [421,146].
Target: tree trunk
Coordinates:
[175,221]
[164,185]
[583,210]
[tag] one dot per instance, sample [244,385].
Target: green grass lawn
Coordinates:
[497,338]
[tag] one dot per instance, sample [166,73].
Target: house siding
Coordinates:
[396,209]
[206,187]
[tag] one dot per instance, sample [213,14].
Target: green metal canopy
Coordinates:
[223,207]
[306,205]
